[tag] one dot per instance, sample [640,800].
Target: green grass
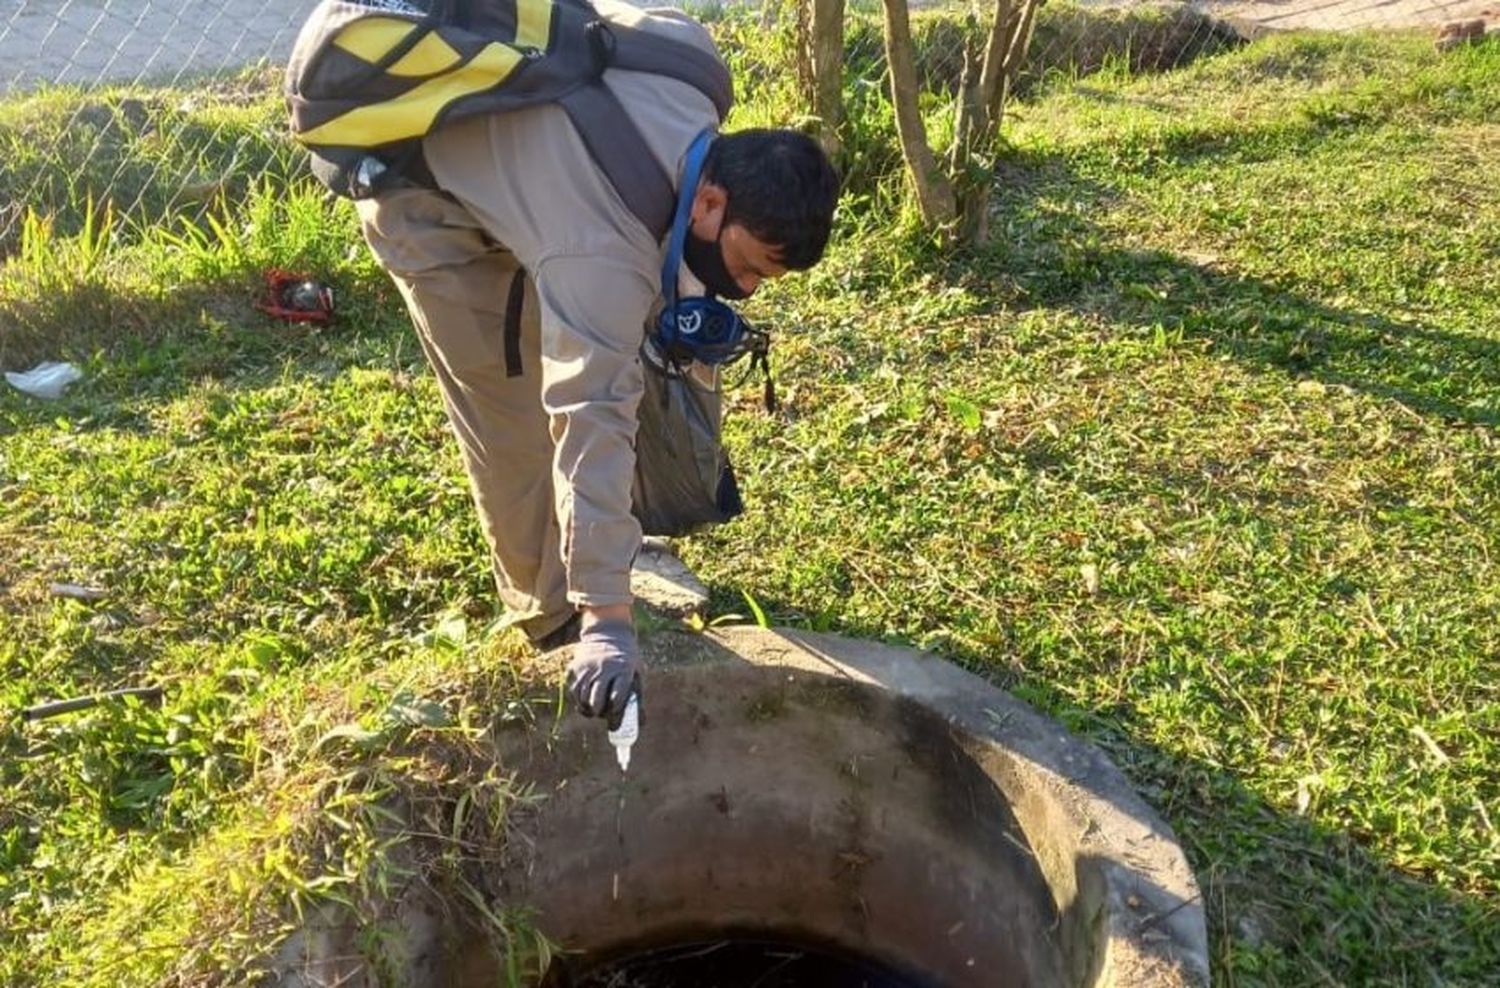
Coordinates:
[155,152]
[1199,457]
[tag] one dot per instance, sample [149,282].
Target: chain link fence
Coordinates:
[136,75]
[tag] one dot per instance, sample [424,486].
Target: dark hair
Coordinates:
[780,186]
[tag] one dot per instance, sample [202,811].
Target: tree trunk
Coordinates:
[806,83]
[828,71]
[969,107]
[1005,52]
[934,191]
[992,76]
[1020,49]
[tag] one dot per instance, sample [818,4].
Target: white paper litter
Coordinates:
[46,380]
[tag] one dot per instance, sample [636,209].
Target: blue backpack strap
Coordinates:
[692,170]
[703,329]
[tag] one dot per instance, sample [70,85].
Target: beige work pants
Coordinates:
[549,556]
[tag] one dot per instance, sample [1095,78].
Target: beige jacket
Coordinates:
[531,186]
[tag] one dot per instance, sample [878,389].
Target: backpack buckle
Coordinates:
[601,45]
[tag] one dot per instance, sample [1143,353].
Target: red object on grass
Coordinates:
[296,298]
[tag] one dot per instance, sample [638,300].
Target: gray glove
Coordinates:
[606,664]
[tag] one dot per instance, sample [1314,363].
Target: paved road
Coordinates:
[86,42]
[90,41]
[1349,15]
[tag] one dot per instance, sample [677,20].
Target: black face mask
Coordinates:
[705,258]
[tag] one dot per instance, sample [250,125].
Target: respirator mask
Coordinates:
[703,328]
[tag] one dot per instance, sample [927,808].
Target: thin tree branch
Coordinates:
[995,50]
[934,191]
[828,70]
[806,82]
[970,106]
[1015,58]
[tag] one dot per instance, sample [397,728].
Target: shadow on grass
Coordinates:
[139,351]
[1057,257]
[1289,902]
[1284,894]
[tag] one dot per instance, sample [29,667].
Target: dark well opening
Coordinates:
[733,960]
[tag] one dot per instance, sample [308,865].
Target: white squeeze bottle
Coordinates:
[624,736]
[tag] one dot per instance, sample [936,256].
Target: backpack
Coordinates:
[368,79]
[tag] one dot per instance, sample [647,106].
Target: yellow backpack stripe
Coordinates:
[533,23]
[413,113]
[373,38]
[427,57]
